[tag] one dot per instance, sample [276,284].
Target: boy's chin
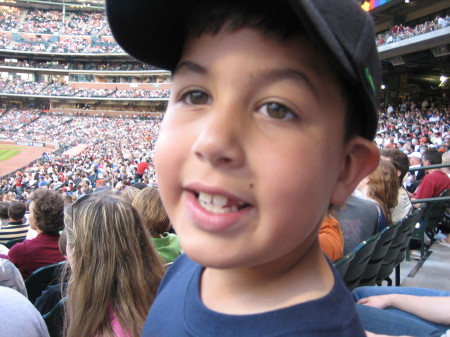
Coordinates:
[214,260]
[221,259]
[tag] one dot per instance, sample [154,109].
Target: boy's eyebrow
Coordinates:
[289,73]
[269,76]
[189,66]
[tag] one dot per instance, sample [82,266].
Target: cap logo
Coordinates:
[370,79]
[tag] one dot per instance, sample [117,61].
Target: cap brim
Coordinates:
[156,35]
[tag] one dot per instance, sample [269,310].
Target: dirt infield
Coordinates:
[23,158]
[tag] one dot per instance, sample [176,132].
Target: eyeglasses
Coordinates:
[77,203]
[81,199]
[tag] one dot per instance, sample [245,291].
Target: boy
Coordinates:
[270,122]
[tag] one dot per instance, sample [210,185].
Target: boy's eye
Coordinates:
[196,97]
[276,111]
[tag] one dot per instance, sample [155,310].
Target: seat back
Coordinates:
[387,236]
[409,229]
[54,319]
[41,278]
[342,264]
[434,214]
[356,268]
[400,243]
[10,243]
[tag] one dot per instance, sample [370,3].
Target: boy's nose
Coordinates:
[219,141]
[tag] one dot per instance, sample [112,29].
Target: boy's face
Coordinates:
[251,148]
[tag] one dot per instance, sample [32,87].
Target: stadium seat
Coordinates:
[38,281]
[434,214]
[343,263]
[398,248]
[387,236]
[12,242]
[356,268]
[54,319]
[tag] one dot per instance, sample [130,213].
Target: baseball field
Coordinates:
[9,151]
[13,157]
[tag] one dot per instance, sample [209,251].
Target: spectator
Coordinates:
[18,317]
[435,181]
[359,219]
[16,228]
[142,167]
[414,177]
[401,163]
[331,239]
[382,187]
[403,311]
[445,160]
[47,219]
[244,218]
[129,193]
[149,205]
[115,270]
[4,218]
[10,277]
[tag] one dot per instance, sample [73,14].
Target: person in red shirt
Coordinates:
[47,219]
[435,181]
[140,170]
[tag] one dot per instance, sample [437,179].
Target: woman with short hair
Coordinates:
[47,219]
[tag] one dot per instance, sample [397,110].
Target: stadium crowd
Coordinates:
[81,45]
[22,87]
[123,66]
[15,119]
[41,21]
[94,24]
[4,41]
[115,151]
[85,24]
[8,17]
[113,143]
[400,32]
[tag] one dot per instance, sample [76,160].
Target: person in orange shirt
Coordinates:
[331,238]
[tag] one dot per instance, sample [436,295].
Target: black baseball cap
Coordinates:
[153,31]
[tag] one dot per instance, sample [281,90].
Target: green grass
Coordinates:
[7,153]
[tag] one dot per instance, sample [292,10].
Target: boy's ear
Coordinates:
[362,157]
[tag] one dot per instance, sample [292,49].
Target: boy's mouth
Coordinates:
[217,203]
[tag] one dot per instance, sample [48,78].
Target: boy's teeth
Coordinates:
[208,206]
[215,203]
[204,197]
[220,200]
[217,209]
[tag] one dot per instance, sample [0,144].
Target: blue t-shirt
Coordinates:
[178,311]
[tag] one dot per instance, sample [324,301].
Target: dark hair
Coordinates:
[399,159]
[433,156]
[48,210]
[4,210]
[279,22]
[16,210]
